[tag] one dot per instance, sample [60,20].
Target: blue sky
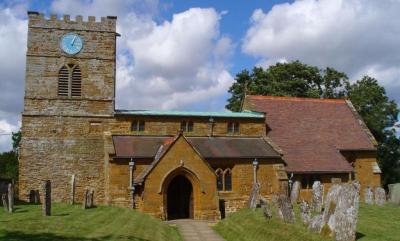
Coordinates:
[184,55]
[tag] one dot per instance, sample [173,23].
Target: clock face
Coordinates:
[71,43]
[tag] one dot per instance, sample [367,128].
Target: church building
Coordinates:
[170,164]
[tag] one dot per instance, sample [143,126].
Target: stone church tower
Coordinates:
[69,99]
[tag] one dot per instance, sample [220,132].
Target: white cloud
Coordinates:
[175,64]
[167,65]
[13,32]
[355,36]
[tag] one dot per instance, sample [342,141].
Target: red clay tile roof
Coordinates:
[311,132]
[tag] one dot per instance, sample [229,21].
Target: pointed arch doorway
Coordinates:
[179,198]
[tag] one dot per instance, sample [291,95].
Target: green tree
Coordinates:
[287,79]
[9,160]
[300,80]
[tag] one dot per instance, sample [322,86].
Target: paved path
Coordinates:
[195,230]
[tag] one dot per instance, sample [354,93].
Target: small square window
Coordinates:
[137,125]
[233,128]
[187,126]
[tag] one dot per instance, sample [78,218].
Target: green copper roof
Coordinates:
[226,114]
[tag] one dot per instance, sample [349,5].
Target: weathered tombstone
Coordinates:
[294,194]
[305,213]
[91,198]
[380,196]
[252,203]
[4,200]
[47,198]
[394,193]
[317,196]
[316,223]
[34,196]
[10,198]
[285,209]
[368,196]
[340,215]
[266,209]
[85,199]
[72,198]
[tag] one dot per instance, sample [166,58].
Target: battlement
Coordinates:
[38,20]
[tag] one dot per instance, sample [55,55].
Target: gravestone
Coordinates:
[47,198]
[394,193]
[340,215]
[305,212]
[252,203]
[72,197]
[316,223]
[368,196]
[380,196]
[10,197]
[294,194]
[34,197]
[92,198]
[285,209]
[265,208]
[4,201]
[317,196]
[85,199]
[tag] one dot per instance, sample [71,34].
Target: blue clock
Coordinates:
[71,43]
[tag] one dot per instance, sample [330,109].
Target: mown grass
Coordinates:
[71,223]
[375,223]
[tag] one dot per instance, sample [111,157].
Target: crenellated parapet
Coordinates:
[39,20]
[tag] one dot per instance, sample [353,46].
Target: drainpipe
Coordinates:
[131,180]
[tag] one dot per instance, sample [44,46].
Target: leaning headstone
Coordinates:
[380,196]
[47,198]
[72,197]
[10,198]
[285,209]
[265,208]
[317,196]
[4,200]
[294,194]
[394,193]
[368,196]
[85,199]
[252,203]
[341,211]
[305,213]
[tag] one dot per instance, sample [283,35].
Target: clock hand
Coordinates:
[73,40]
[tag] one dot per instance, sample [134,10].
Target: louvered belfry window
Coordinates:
[70,81]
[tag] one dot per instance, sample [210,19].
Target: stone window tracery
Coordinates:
[70,81]
[224,179]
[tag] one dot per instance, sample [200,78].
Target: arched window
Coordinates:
[220,179]
[224,179]
[70,81]
[228,180]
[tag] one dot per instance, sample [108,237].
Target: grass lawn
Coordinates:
[72,223]
[375,223]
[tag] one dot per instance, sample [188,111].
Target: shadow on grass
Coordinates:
[21,236]
[359,235]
